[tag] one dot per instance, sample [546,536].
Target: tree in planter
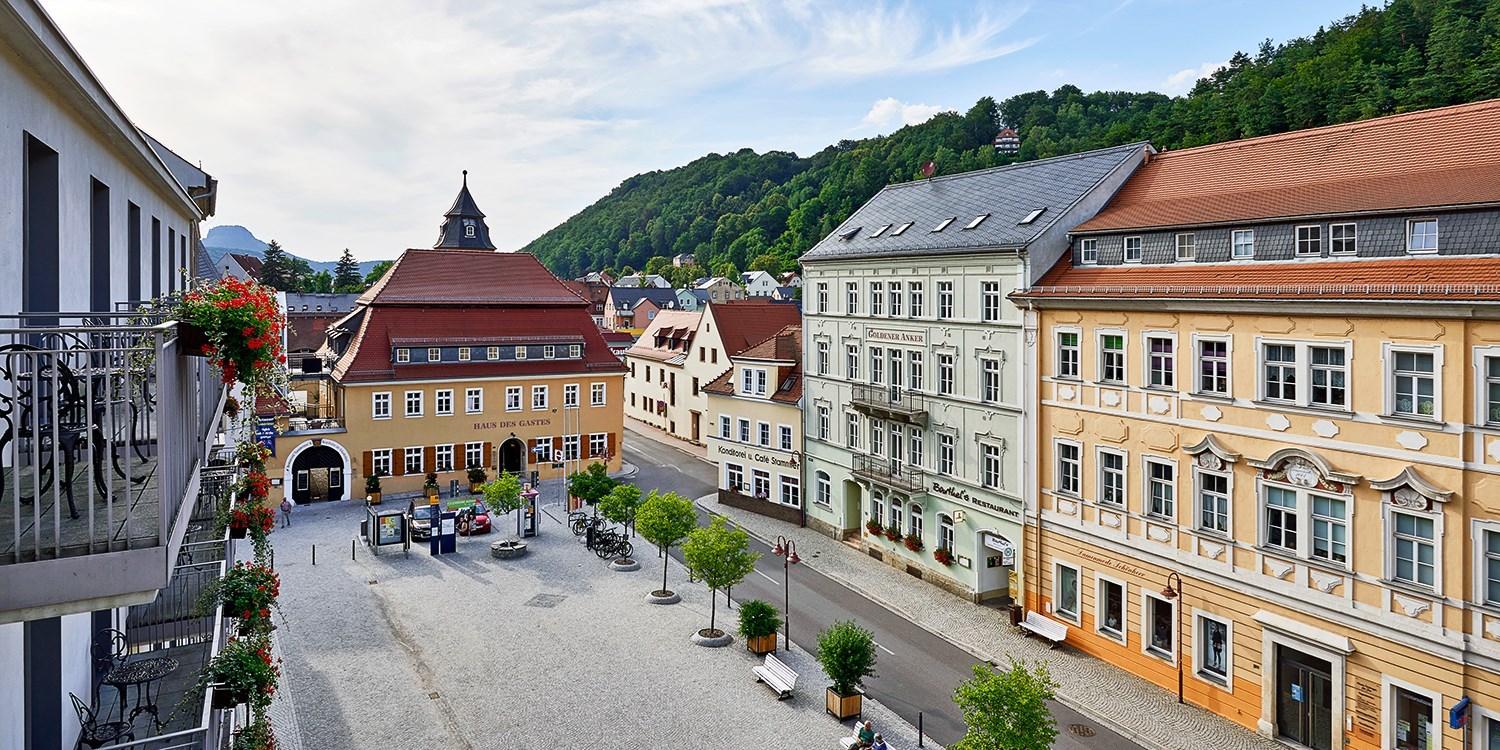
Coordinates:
[759,622]
[1007,709]
[665,520]
[846,652]
[720,557]
[430,485]
[477,477]
[504,496]
[621,504]
[372,486]
[592,484]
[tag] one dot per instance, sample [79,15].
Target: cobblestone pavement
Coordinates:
[1129,705]
[549,651]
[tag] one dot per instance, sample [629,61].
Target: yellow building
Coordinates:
[1269,431]
[755,433]
[459,356]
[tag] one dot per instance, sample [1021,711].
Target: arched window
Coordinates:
[945,532]
[469,230]
[895,514]
[877,507]
[823,489]
[915,529]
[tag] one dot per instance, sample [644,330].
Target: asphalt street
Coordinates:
[916,671]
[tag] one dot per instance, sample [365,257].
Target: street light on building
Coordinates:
[787,550]
[1173,593]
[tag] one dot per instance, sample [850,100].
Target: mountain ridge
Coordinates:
[233,238]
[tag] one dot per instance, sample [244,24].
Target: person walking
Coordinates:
[286,513]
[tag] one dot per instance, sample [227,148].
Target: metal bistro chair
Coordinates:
[110,651]
[96,734]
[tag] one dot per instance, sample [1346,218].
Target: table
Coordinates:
[142,674]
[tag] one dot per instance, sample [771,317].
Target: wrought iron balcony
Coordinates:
[104,430]
[890,402]
[891,473]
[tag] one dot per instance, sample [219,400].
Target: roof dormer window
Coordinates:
[902,228]
[850,234]
[944,223]
[469,228]
[879,231]
[976,222]
[1033,216]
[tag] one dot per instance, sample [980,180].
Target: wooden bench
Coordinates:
[777,675]
[1045,627]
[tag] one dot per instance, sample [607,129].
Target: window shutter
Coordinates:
[531,452]
[429,458]
[398,462]
[609,444]
[369,463]
[489,450]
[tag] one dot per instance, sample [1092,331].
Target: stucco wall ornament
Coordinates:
[1412,607]
[1207,460]
[1407,497]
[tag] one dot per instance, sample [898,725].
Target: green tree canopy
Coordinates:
[320,282]
[665,519]
[846,652]
[377,272]
[720,557]
[621,504]
[503,494]
[276,269]
[592,484]
[1007,709]
[346,278]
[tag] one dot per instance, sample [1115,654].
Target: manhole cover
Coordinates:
[1081,730]
[371,582]
[545,600]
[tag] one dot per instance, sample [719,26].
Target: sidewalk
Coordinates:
[1123,702]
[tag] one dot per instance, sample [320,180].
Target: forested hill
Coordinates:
[746,211]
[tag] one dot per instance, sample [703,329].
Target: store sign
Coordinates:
[757,456]
[512,423]
[888,336]
[1106,562]
[1003,546]
[964,495]
[265,434]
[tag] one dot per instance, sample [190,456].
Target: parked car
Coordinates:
[419,519]
[478,519]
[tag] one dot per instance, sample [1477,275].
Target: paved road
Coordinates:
[916,671]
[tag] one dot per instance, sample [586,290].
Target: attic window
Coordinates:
[977,221]
[879,231]
[902,228]
[1033,216]
[850,234]
[788,384]
[944,224]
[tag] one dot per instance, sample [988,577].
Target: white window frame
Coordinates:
[1148,361]
[513,398]
[598,443]
[403,355]
[916,374]
[896,296]
[1389,514]
[1198,357]
[473,454]
[1309,240]
[575,351]
[822,296]
[916,453]
[570,396]
[825,423]
[916,300]
[947,374]
[1388,686]
[1352,238]
[1133,242]
[1121,637]
[438,455]
[734,476]
[789,490]
[549,352]
[990,380]
[598,394]
[381,456]
[1057,467]
[1302,372]
[437,402]
[1200,635]
[492,353]
[1235,243]
[784,437]
[1075,615]
[434,354]
[742,430]
[726,427]
[852,429]
[1482,556]
[1411,226]
[822,356]
[947,460]
[1186,241]
[877,298]
[377,401]
[1147,648]
[991,466]
[914,520]
[822,489]
[406,460]
[464,353]
[541,397]
[1102,360]
[877,365]
[1303,512]
[473,400]
[989,301]
[1388,356]
[851,361]
[1227,474]
[1059,368]
[1088,251]
[945,537]
[572,445]
[414,398]
[1147,480]
[520,352]
[1100,483]
[946,305]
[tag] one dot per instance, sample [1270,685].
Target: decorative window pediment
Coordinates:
[1210,454]
[1409,490]
[1304,469]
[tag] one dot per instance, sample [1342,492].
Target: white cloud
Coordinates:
[344,123]
[892,110]
[1183,80]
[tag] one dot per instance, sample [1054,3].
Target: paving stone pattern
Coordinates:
[453,652]
[1131,706]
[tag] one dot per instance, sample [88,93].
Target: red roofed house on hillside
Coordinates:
[459,356]
[1268,429]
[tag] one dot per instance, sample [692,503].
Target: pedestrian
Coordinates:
[879,744]
[286,512]
[867,734]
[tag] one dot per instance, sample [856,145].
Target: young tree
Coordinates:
[503,495]
[378,271]
[846,652]
[1007,709]
[276,268]
[321,281]
[665,520]
[346,278]
[592,484]
[621,504]
[720,557]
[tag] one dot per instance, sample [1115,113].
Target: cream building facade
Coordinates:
[755,410]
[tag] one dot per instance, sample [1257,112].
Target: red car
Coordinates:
[476,520]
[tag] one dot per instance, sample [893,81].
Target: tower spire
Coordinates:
[463,226]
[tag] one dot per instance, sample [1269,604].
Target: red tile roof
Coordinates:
[250,263]
[1427,279]
[469,277]
[665,322]
[744,323]
[1433,158]
[784,346]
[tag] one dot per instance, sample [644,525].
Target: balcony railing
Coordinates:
[103,431]
[890,402]
[890,473]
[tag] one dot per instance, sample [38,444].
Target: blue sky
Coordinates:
[345,123]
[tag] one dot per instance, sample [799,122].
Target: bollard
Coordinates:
[919,730]
[315,554]
[351,548]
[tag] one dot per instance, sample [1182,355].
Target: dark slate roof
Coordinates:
[627,297]
[464,211]
[1008,194]
[207,271]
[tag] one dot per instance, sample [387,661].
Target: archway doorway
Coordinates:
[854,504]
[318,474]
[513,456]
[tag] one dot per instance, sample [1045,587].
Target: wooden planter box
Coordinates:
[238,532]
[761,644]
[844,706]
[374,498]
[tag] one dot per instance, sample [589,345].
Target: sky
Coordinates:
[335,124]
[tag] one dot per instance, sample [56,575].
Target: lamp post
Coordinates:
[1172,592]
[787,550]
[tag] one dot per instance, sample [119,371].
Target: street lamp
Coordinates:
[1173,591]
[787,550]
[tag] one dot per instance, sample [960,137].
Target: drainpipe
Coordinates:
[1031,403]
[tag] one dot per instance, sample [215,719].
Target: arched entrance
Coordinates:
[324,468]
[513,456]
[318,474]
[854,504]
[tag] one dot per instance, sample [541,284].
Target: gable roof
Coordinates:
[249,263]
[678,325]
[1006,195]
[465,277]
[627,297]
[783,347]
[744,323]
[1438,157]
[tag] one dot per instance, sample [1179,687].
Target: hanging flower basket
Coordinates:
[191,340]
[240,324]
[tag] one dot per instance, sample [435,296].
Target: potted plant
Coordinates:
[430,486]
[231,407]
[252,456]
[874,528]
[372,488]
[846,652]
[893,534]
[914,543]
[944,556]
[248,591]
[477,477]
[759,622]
[234,322]
[250,518]
[243,672]
[257,735]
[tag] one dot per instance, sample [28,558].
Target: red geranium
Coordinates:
[242,323]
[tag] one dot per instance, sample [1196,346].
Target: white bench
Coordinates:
[847,743]
[778,676]
[1045,627]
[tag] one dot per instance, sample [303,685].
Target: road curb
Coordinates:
[1129,733]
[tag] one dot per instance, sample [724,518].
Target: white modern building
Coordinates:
[917,366]
[759,283]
